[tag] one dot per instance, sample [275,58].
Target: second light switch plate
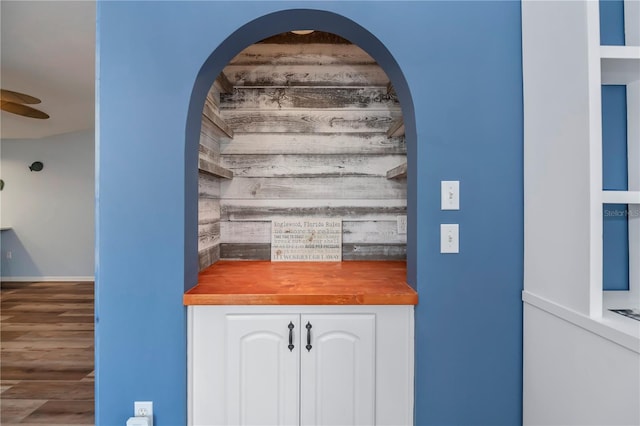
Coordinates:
[449,238]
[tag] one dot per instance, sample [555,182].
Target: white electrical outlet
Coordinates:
[402,224]
[449,242]
[144,409]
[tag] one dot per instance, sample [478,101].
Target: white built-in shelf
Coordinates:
[5,228]
[620,64]
[621,299]
[620,52]
[621,197]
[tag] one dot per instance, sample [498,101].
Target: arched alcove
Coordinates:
[259,29]
[463,62]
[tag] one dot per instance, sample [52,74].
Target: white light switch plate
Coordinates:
[450,195]
[449,238]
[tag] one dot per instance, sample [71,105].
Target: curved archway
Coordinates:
[258,29]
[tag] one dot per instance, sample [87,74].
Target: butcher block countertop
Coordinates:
[302,283]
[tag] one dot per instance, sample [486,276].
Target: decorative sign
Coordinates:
[306,240]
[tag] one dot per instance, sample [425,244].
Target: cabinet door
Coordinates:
[338,371]
[262,374]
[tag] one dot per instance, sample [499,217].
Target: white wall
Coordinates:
[51,212]
[573,376]
[557,176]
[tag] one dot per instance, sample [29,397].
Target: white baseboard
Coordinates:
[51,279]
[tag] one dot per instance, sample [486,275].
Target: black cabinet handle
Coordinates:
[291,336]
[308,337]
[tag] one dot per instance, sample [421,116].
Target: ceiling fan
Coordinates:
[14,102]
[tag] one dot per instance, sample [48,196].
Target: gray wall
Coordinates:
[51,212]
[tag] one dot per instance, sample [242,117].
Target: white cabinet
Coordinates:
[337,380]
[330,358]
[307,365]
[262,374]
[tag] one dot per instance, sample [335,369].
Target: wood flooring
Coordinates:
[46,353]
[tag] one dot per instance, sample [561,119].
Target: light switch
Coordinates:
[449,238]
[450,195]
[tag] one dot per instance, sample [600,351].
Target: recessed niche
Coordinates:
[301,123]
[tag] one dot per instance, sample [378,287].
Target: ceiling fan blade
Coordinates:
[23,110]
[17,97]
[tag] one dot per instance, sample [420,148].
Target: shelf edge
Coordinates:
[619,52]
[620,197]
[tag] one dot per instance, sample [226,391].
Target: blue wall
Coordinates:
[461,62]
[615,232]
[614,138]
[612,22]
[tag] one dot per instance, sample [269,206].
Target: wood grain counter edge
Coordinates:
[304,283]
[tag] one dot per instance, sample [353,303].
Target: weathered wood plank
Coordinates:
[209,145]
[355,143]
[211,155]
[391,91]
[208,186]
[245,251]
[347,187]
[349,251]
[222,84]
[208,256]
[245,232]
[283,136]
[311,165]
[209,114]
[281,98]
[210,138]
[398,172]
[396,129]
[261,210]
[208,234]
[374,252]
[212,101]
[368,232]
[302,54]
[306,75]
[214,169]
[208,210]
[310,121]
[372,232]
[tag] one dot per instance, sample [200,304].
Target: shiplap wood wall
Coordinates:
[211,136]
[309,125]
